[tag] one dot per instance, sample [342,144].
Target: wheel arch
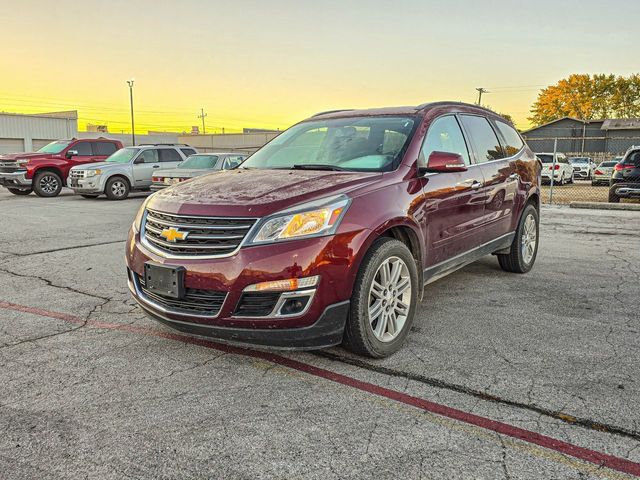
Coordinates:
[50,168]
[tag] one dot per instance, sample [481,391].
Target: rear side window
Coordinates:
[83,148]
[104,148]
[169,155]
[188,151]
[483,138]
[444,135]
[633,159]
[513,141]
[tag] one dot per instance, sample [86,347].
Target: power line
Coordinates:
[480,92]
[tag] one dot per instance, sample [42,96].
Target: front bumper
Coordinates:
[334,259]
[93,184]
[17,180]
[581,173]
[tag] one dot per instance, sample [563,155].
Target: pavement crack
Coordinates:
[62,249]
[558,415]
[54,285]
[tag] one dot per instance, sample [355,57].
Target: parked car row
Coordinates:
[567,169]
[92,167]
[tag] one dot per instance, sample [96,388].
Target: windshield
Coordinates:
[199,161]
[54,147]
[579,160]
[353,144]
[608,164]
[545,158]
[124,155]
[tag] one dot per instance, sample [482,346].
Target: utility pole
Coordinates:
[480,92]
[133,131]
[202,115]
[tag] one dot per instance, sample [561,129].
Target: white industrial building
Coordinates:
[28,133]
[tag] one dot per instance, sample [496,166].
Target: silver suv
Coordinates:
[130,168]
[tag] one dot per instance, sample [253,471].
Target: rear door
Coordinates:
[500,188]
[169,158]
[144,165]
[453,201]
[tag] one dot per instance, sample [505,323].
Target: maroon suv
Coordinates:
[329,233]
[46,170]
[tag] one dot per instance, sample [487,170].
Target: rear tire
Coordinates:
[524,248]
[117,188]
[383,304]
[47,184]
[17,191]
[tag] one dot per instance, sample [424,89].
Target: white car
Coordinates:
[583,167]
[562,169]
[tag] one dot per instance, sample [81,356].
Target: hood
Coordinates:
[89,166]
[8,157]
[255,193]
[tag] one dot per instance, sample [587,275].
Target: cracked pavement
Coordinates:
[556,351]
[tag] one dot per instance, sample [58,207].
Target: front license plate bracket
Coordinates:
[165,280]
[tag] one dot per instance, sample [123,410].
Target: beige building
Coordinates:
[235,142]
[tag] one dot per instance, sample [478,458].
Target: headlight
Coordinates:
[313,219]
[137,221]
[92,173]
[21,162]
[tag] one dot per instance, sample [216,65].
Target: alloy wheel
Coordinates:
[529,239]
[49,184]
[118,188]
[389,299]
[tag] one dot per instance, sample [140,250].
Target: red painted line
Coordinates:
[598,458]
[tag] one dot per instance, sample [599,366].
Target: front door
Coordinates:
[453,202]
[145,164]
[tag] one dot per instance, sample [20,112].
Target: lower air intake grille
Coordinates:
[256,304]
[195,301]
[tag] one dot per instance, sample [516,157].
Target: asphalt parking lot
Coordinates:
[504,376]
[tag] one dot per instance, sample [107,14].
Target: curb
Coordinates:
[606,206]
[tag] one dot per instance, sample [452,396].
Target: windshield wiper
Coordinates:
[318,166]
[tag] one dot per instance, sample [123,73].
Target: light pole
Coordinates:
[202,115]
[133,131]
[480,92]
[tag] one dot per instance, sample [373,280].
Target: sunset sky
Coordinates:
[271,63]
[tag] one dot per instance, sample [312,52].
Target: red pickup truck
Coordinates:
[45,171]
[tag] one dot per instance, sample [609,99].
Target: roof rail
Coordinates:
[332,111]
[462,104]
[163,144]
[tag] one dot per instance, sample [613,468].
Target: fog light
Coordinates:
[294,305]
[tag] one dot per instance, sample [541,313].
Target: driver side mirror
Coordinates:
[445,162]
[72,153]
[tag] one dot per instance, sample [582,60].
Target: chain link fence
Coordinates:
[582,166]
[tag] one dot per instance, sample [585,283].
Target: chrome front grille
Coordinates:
[196,235]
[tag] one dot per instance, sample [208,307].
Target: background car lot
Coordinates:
[93,389]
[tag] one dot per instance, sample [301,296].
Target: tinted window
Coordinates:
[514,142]
[188,151]
[83,148]
[104,148]
[633,159]
[149,156]
[608,164]
[232,162]
[545,158]
[444,135]
[170,155]
[483,138]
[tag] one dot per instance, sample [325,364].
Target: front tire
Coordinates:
[47,184]
[524,248]
[384,300]
[17,191]
[117,188]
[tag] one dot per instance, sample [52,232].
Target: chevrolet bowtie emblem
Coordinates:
[173,234]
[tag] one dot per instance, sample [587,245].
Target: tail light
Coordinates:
[156,179]
[598,172]
[556,167]
[621,166]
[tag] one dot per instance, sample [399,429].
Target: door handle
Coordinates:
[156,166]
[473,184]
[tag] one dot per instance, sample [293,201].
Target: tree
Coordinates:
[588,97]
